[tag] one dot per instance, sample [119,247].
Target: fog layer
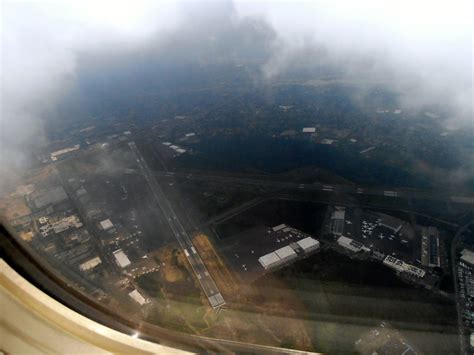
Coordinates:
[423,51]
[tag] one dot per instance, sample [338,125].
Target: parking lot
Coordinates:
[387,234]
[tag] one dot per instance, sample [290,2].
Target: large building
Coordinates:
[308,244]
[401,266]
[430,247]
[467,258]
[106,224]
[56,154]
[390,222]
[121,258]
[269,260]
[277,257]
[351,244]
[138,297]
[337,222]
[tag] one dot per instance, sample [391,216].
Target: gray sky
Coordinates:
[422,48]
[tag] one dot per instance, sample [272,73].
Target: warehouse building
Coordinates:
[308,244]
[401,266]
[467,258]
[49,197]
[90,264]
[106,224]
[337,222]
[121,258]
[430,247]
[392,223]
[351,244]
[277,257]
[279,227]
[137,297]
[269,260]
[56,154]
[286,253]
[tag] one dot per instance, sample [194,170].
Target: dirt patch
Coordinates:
[224,278]
[171,270]
[13,206]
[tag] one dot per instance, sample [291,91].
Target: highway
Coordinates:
[348,189]
[205,280]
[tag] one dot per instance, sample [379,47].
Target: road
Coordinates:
[266,182]
[457,239]
[205,280]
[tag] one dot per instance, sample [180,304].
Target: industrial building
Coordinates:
[279,227]
[401,266]
[286,253]
[351,244]
[390,222]
[50,197]
[308,244]
[121,258]
[106,224]
[277,257]
[46,227]
[90,264]
[137,297]
[337,222]
[467,258]
[430,247]
[56,154]
[269,260]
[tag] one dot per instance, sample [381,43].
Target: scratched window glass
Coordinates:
[262,175]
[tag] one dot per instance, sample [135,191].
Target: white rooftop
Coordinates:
[278,227]
[309,129]
[467,256]
[269,259]
[307,243]
[339,214]
[285,252]
[90,264]
[106,224]
[327,141]
[190,134]
[137,296]
[121,258]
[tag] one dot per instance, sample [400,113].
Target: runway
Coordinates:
[205,280]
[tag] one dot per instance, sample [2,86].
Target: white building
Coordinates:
[278,227]
[121,258]
[90,264]
[137,297]
[467,257]
[401,266]
[286,254]
[106,224]
[54,155]
[308,244]
[269,260]
[309,129]
[349,243]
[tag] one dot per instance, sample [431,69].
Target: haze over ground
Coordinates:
[423,49]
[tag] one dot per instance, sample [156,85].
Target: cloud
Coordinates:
[422,49]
